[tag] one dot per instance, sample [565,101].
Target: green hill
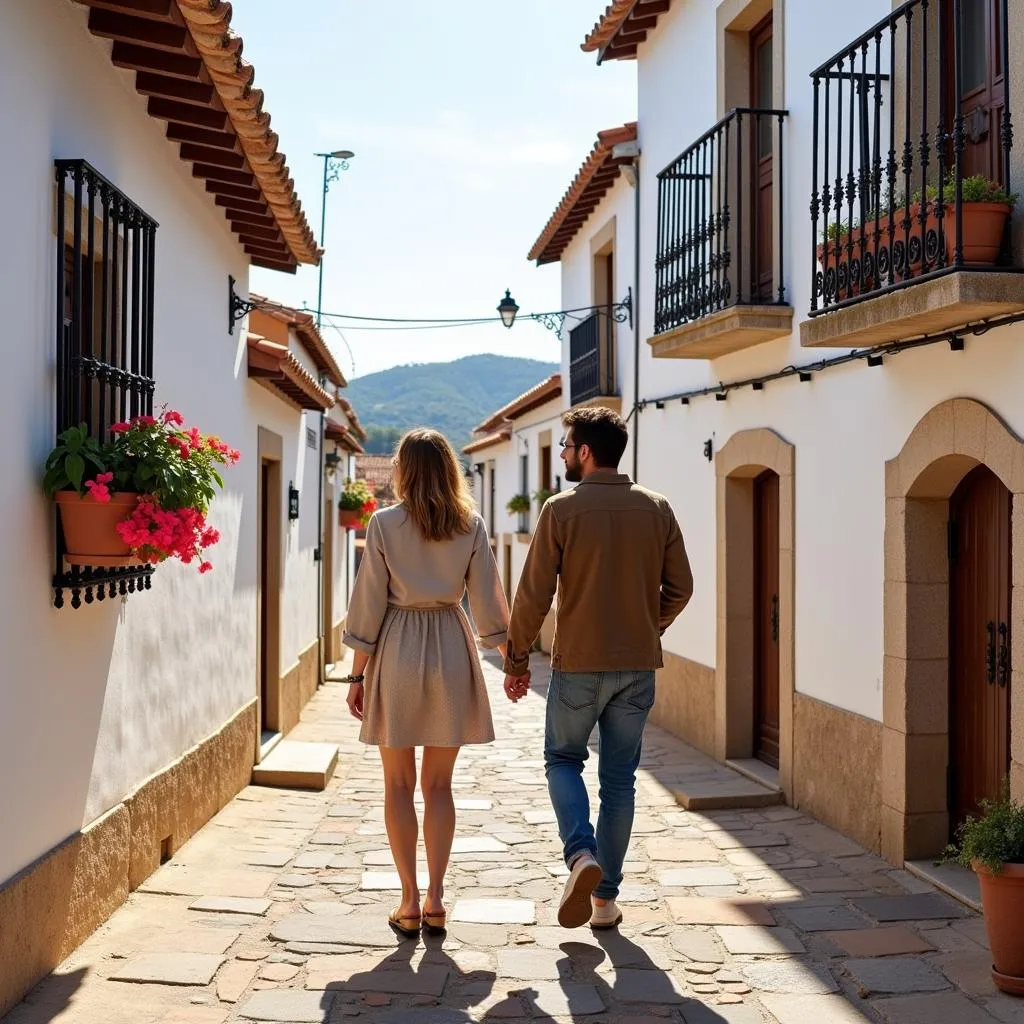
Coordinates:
[451,397]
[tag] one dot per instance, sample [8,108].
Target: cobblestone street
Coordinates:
[276,912]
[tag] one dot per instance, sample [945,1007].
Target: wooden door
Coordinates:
[766,618]
[762,172]
[265,595]
[982,96]
[979,682]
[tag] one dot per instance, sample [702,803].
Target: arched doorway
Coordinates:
[954,515]
[755,581]
[980,511]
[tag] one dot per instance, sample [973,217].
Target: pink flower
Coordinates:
[120,428]
[195,439]
[205,566]
[98,491]
[173,417]
[105,478]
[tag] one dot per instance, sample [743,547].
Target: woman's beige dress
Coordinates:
[424,685]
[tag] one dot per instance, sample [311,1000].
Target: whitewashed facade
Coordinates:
[870,461]
[126,723]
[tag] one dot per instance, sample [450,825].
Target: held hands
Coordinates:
[517,687]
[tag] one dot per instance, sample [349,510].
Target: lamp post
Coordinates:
[334,163]
[619,312]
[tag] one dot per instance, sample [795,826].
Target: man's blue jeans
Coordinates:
[618,704]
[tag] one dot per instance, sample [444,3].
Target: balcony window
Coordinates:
[591,359]
[719,272]
[910,176]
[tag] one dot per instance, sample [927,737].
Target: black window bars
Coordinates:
[105,262]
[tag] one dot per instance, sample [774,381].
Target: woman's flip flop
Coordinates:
[435,923]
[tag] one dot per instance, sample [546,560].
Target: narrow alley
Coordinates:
[276,912]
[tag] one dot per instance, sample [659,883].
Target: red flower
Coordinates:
[173,417]
[120,428]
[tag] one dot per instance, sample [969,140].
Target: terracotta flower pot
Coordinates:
[350,518]
[983,231]
[1002,897]
[90,528]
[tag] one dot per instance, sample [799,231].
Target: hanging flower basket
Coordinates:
[90,528]
[356,504]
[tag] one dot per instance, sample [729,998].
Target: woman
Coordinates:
[416,679]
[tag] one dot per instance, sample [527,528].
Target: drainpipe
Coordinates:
[632,175]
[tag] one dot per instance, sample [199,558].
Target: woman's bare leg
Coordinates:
[438,819]
[400,821]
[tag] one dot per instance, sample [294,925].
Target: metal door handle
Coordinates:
[1004,654]
[775,617]
[990,653]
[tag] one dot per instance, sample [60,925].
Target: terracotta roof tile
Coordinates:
[304,325]
[623,27]
[188,64]
[354,425]
[277,369]
[548,389]
[376,469]
[336,431]
[487,442]
[595,177]
[209,23]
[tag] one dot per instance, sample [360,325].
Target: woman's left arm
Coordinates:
[486,598]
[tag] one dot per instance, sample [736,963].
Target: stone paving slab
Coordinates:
[735,916]
[171,969]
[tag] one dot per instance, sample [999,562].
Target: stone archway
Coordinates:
[948,442]
[740,462]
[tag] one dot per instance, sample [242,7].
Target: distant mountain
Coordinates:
[451,397]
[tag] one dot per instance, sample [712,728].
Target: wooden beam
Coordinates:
[211,172]
[202,136]
[265,245]
[186,113]
[222,188]
[133,57]
[158,10]
[150,84]
[258,208]
[247,231]
[215,157]
[239,217]
[124,28]
[284,268]
[645,7]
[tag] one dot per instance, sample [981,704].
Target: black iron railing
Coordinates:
[104,338]
[720,223]
[912,132]
[591,359]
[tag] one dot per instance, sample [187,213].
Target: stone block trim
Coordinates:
[744,457]
[54,904]
[949,441]
[684,702]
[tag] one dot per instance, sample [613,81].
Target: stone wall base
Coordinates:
[685,702]
[54,904]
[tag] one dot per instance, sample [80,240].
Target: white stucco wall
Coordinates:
[94,700]
[845,424]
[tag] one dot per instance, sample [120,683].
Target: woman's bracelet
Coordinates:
[353,679]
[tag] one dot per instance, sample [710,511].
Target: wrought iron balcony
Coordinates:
[720,223]
[591,359]
[911,144]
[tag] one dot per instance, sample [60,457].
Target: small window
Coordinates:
[105,263]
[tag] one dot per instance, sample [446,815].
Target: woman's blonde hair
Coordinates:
[430,482]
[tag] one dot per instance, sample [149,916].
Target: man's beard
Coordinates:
[573,473]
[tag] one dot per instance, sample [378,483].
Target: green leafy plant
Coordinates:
[542,496]
[994,838]
[75,458]
[974,189]
[518,503]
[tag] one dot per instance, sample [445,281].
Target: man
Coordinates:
[616,555]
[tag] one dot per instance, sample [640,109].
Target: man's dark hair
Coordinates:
[601,430]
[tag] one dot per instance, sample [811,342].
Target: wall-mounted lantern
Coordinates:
[293,501]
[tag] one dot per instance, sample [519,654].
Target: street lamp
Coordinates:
[620,312]
[508,309]
[334,164]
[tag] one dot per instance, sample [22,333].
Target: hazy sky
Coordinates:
[468,118]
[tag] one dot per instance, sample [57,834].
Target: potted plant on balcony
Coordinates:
[992,845]
[986,207]
[356,504]
[542,496]
[143,496]
[518,504]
